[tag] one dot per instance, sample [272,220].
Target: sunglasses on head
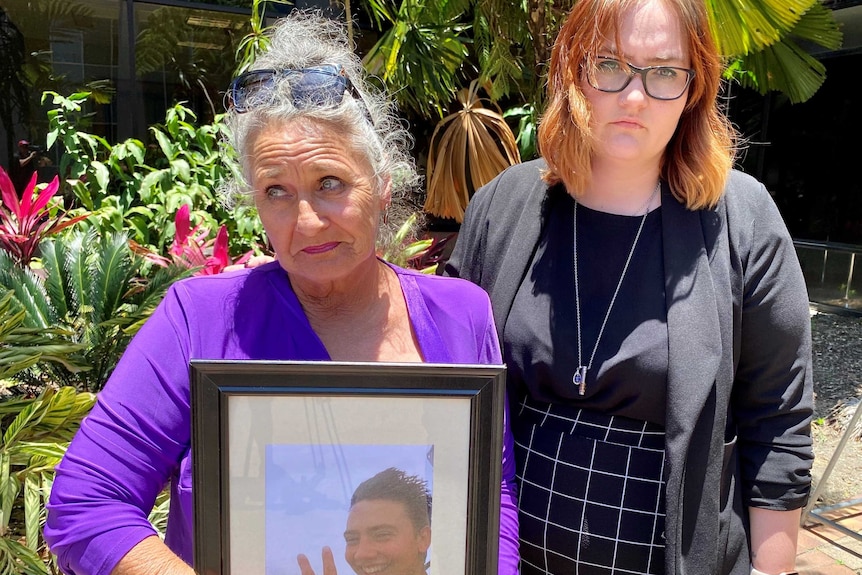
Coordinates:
[315,87]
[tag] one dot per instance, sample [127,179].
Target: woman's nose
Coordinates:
[635,92]
[308,219]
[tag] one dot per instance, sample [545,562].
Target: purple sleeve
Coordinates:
[125,452]
[508,550]
[509,555]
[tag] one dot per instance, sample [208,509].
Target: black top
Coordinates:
[739,386]
[629,373]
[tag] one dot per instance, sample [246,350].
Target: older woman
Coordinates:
[322,158]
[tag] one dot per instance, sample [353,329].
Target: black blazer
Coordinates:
[739,384]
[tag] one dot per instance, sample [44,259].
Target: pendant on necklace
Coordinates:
[580,379]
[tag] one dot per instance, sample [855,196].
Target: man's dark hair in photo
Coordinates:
[394,485]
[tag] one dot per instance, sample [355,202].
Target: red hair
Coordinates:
[701,152]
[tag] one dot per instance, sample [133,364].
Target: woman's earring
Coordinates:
[386,214]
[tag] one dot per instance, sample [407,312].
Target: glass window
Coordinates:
[63,47]
[184,55]
[138,64]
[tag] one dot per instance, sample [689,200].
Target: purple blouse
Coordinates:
[137,436]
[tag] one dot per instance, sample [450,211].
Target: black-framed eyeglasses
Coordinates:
[660,82]
[317,86]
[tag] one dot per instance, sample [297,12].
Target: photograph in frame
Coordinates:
[280,448]
[309,488]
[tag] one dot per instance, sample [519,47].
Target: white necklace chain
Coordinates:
[580,376]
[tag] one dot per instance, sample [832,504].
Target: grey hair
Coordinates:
[304,39]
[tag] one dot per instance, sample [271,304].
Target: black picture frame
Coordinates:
[455,409]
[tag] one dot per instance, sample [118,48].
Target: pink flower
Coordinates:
[25,223]
[192,249]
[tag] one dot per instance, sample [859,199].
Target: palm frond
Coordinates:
[787,67]
[112,273]
[53,260]
[29,293]
[744,26]
[784,67]
[818,25]
[475,144]
[78,272]
[774,61]
[419,56]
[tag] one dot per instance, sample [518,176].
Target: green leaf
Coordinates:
[32,510]
[8,489]
[151,184]
[102,175]
[25,418]
[180,168]
[16,559]
[51,452]
[165,144]
[52,137]
[53,261]
[58,409]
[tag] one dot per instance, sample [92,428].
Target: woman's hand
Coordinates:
[252,262]
[328,563]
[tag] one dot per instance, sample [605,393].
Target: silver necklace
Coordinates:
[580,376]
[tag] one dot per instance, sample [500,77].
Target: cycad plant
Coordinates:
[94,287]
[22,347]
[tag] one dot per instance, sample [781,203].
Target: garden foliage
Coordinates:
[137,189]
[74,292]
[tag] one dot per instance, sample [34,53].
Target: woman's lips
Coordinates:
[629,124]
[321,248]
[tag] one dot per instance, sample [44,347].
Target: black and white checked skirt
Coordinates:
[591,495]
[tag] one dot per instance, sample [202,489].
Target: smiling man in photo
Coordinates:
[388,527]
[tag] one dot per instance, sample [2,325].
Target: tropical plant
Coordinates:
[761,38]
[94,287]
[408,251]
[135,189]
[22,347]
[194,249]
[474,145]
[421,51]
[26,222]
[527,130]
[511,44]
[36,433]
[256,40]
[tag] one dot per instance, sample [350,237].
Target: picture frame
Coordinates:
[280,447]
